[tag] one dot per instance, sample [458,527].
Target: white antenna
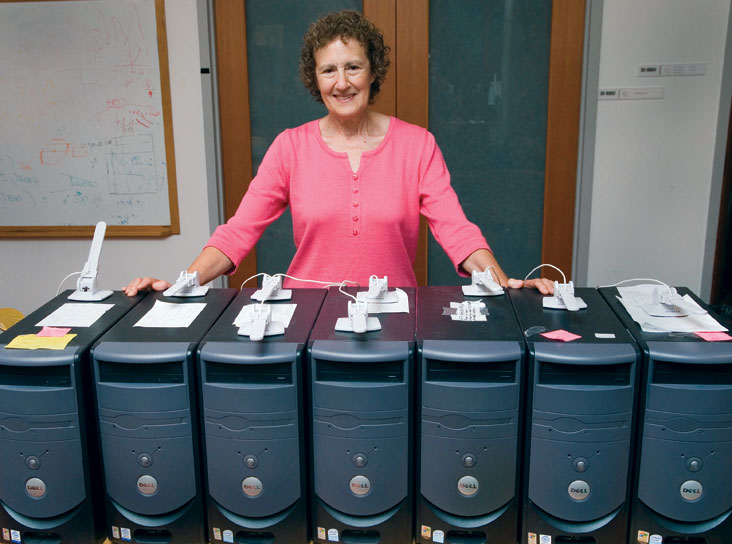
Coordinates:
[482,284]
[358,319]
[187,285]
[563,298]
[87,288]
[378,291]
[259,323]
[272,289]
[668,303]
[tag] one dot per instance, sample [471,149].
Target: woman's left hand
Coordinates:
[482,259]
[544,285]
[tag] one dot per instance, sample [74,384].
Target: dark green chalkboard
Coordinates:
[489,69]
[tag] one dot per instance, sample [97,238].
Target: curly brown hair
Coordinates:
[346,25]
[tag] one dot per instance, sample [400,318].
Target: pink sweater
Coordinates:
[349,225]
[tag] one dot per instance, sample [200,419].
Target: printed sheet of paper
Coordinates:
[171,315]
[637,295]
[633,298]
[280,312]
[33,341]
[75,314]
[470,310]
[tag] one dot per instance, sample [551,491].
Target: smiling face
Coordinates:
[344,78]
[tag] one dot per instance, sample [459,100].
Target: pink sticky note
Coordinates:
[53,331]
[560,334]
[714,336]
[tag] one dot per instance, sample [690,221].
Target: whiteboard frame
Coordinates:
[124,231]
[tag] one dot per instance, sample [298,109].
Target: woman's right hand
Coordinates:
[145,284]
[209,264]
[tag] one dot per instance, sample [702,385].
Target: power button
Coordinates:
[33,462]
[145,460]
[360,460]
[468,460]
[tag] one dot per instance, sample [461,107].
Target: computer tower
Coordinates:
[49,467]
[253,413]
[581,401]
[148,420]
[469,434]
[361,426]
[683,470]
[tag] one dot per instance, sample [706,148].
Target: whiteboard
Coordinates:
[85,114]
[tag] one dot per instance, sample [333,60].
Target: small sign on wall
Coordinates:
[671,70]
[637,93]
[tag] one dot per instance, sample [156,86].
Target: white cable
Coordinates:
[496,278]
[632,279]
[340,288]
[564,278]
[63,280]
[249,279]
[324,283]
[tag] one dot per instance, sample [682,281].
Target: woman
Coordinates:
[356,180]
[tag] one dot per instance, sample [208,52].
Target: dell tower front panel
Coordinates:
[148,418]
[361,425]
[253,412]
[49,474]
[683,480]
[581,396]
[469,399]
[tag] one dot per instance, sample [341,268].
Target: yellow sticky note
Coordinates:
[32,341]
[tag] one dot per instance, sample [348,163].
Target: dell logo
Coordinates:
[691,490]
[251,486]
[35,487]
[360,485]
[147,485]
[579,490]
[467,486]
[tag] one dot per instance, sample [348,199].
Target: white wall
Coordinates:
[653,159]
[31,269]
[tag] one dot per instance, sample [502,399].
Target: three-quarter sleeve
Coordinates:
[439,203]
[264,202]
